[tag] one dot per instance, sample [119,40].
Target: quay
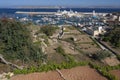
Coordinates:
[35,13]
[52,13]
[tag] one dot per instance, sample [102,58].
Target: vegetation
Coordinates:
[53,66]
[16,42]
[48,30]
[113,36]
[104,70]
[101,55]
[118,56]
[70,39]
[61,51]
[50,66]
[94,40]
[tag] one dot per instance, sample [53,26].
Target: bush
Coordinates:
[60,50]
[101,55]
[113,36]
[69,58]
[17,43]
[48,30]
[118,56]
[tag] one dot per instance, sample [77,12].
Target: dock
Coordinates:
[35,13]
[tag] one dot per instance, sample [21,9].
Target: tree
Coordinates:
[17,43]
[113,36]
[115,39]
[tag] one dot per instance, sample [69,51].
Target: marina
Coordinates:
[93,22]
[59,40]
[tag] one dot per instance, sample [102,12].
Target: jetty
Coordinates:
[35,13]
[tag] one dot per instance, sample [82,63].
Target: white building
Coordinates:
[115,17]
[67,13]
[95,31]
[94,14]
[119,18]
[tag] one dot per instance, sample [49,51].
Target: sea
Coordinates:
[11,12]
[99,10]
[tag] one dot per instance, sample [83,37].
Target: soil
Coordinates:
[116,73]
[4,68]
[89,48]
[51,75]
[77,73]
[111,61]
[82,73]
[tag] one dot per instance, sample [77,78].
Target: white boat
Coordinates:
[24,19]
[37,21]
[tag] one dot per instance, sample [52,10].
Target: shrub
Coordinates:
[48,30]
[16,42]
[118,56]
[101,55]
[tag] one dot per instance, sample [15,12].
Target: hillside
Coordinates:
[45,48]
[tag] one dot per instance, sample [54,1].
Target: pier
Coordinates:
[52,13]
[35,13]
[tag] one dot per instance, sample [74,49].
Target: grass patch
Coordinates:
[104,70]
[49,67]
[70,63]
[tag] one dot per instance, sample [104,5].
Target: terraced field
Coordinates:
[77,73]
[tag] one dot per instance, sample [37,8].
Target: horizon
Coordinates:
[37,6]
[60,3]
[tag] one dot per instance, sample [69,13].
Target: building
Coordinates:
[95,31]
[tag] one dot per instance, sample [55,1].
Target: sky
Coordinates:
[78,3]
